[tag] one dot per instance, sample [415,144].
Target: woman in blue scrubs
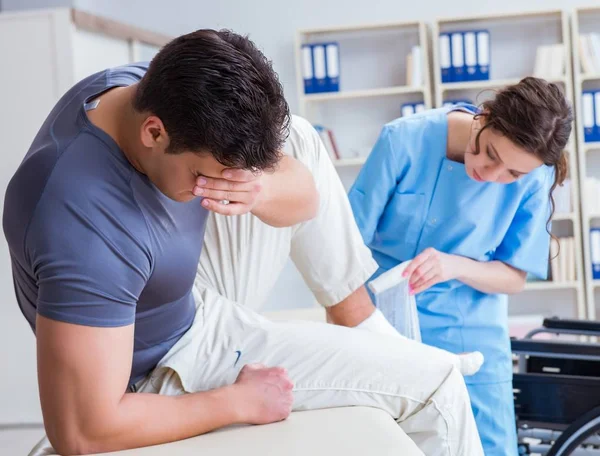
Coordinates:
[466,193]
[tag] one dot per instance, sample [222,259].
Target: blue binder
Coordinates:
[483,55]
[445,57]
[596,115]
[590,130]
[308,74]
[458,57]
[332,66]
[595,252]
[319,68]
[470,51]
[407,109]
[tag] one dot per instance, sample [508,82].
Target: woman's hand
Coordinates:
[430,267]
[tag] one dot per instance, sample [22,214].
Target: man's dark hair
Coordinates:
[216,92]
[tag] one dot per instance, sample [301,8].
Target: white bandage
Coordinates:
[377,323]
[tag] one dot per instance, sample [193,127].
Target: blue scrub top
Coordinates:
[409,196]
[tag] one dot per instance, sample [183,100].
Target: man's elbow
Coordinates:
[79,442]
[73,443]
[304,211]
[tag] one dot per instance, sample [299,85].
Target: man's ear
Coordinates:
[153,133]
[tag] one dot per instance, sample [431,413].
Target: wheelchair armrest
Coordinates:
[553,349]
[572,325]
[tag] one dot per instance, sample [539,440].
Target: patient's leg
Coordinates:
[243,257]
[331,366]
[466,363]
[329,250]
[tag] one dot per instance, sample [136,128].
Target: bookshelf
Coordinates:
[549,285]
[526,33]
[366,99]
[366,93]
[584,22]
[483,85]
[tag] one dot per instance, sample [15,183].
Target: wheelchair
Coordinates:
[556,388]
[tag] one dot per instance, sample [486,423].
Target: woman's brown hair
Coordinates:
[535,115]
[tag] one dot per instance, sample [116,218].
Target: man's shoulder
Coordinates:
[92,179]
[301,130]
[84,185]
[303,142]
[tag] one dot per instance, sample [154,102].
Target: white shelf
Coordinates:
[591,145]
[490,84]
[367,93]
[587,10]
[590,77]
[584,160]
[500,16]
[345,162]
[358,28]
[551,26]
[549,285]
[377,96]
[560,217]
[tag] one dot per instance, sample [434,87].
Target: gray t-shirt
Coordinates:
[92,241]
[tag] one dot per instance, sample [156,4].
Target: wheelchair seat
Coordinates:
[557,390]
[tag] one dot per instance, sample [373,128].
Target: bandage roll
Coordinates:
[389,279]
[391,294]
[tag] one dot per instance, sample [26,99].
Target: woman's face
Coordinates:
[499,159]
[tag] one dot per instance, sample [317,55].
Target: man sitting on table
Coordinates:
[105,235]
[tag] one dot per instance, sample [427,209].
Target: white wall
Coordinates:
[14,5]
[271,24]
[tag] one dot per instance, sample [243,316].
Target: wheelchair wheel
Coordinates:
[577,433]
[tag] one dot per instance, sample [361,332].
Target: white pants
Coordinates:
[331,366]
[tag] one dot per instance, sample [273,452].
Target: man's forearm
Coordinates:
[289,195]
[149,419]
[490,277]
[353,310]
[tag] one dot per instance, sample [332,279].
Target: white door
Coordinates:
[93,52]
[28,90]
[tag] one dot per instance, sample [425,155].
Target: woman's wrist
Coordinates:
[459,267]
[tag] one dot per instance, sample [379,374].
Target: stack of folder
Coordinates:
[465,56]
[321,67]
[590,104]
[595,252]
[409,109]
